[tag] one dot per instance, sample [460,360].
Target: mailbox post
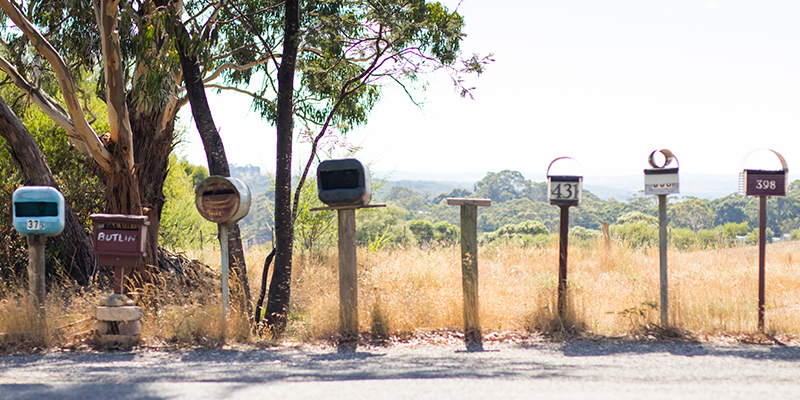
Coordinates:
[469,268]
[344,185]
[564,191]
[661,181]
[223,200]
[38,212]
[763,183]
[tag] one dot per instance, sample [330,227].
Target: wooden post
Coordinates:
[223,245]
[348,280]
[662,248]
[562,262]
[762,251]
[606,235]
[36,275]
[469,269]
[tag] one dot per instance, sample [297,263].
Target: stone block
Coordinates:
[131,328]
[124,313]
[100,327]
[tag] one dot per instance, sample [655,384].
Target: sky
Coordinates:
[603,82]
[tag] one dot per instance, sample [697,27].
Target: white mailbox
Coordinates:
[38,210]
[662,179]
[564,189]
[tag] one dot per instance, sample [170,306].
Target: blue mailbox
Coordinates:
[344,183]
[38,210]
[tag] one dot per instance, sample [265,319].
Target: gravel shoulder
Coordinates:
[572,369]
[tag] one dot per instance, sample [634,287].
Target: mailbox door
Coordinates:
[564,190]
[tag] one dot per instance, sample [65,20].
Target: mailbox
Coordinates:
[38,210]
[661,180]
[119,240]
[222,200]
[758,182]
[563,189]
[344,182]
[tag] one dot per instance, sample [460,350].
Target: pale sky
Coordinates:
[603,82]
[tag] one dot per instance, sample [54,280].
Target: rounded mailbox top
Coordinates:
[764,160]
[565,166]
[662,158]
[222,200]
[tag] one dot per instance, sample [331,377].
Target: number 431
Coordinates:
[565,191]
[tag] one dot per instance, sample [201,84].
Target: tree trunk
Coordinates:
[215,154]
[280,286]
[80,263]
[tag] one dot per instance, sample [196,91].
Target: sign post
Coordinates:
[38,212]
[223,200]
[763,183]
[662,181]
[344,185]
[469,268]
[564,191]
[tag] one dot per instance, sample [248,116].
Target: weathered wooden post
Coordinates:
[223,200]
[344,185]
[662,181]
[763,183]
[37,213]
[564,191]
[469,268]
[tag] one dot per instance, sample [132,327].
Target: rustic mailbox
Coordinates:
[757,182]
[123,244]
[38,210]
[661,180]
[222,200]
[344,182]
[564,190]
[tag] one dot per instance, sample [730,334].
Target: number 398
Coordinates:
[764,184]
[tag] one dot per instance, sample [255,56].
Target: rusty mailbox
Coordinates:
[222,200]
[119,240]
[564,189]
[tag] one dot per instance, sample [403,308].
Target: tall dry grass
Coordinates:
[612,292]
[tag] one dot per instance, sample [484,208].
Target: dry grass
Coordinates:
[409,292]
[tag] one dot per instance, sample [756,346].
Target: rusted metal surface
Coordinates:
[222,200]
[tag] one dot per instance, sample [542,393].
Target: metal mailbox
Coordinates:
[122,245]
[344,182]
[222,199]
[38,210]
[758,182]
[564,190]
[661,180]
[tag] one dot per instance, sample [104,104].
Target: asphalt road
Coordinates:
[573,370]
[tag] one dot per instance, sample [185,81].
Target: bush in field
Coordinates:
[683,239]
[428,233]
[636,234]
[511,232]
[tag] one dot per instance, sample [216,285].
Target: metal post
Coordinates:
[36,278]
[348,280]
[223,244]
[562,262]
[662,249]
[469,277]
[762,251]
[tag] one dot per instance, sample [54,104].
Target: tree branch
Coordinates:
[65,81]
